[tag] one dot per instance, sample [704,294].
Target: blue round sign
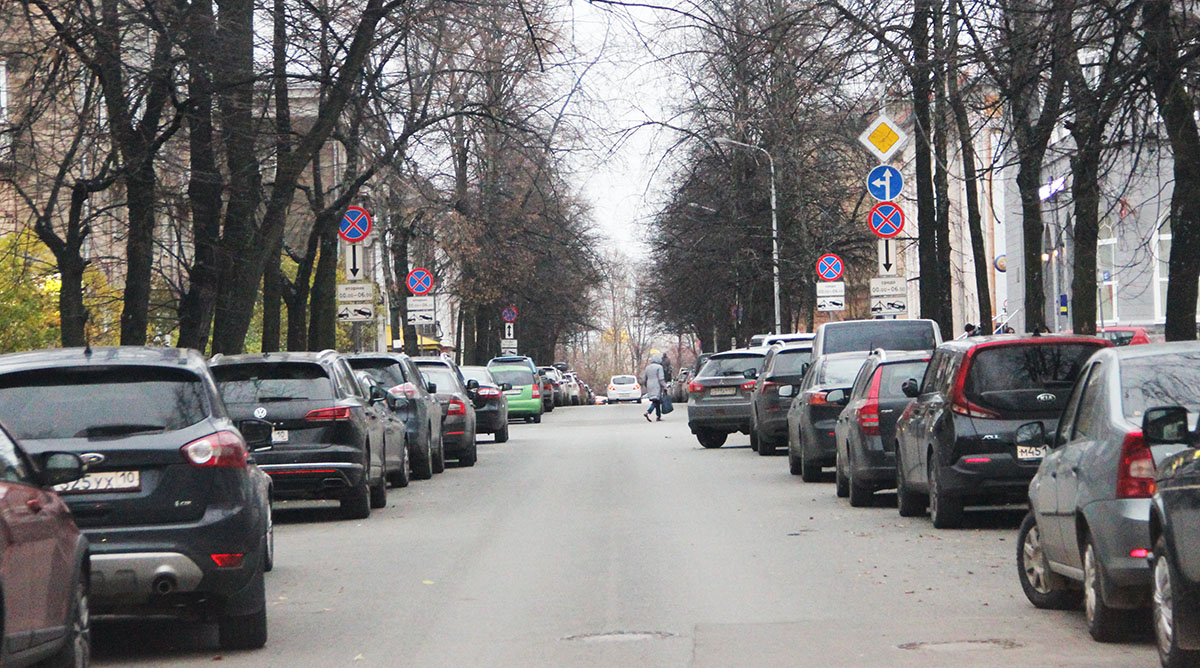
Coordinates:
[886,220]
[356,225]
[509,314]
[420,281]
[885,183]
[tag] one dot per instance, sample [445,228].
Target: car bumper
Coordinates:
[627,395]
[490,419]
[819,443]
[327,473]
[727,417]
[1117,527]
[524,407]
[877,467]
[1000,479]
[773,426]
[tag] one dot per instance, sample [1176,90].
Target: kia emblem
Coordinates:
[261,412]
[92,458]
[1046,397]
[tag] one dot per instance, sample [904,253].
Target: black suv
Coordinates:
[329,438]
[956,442]
[783,365]
[177,516]
[414,403]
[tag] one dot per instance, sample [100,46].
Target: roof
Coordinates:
[297,356]
[741,352]
[100,356]
[1154,350]
[896,356]
[975,341]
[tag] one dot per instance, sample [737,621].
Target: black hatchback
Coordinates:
[176,513]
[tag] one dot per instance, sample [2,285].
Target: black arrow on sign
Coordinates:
[887,254]
[354,260]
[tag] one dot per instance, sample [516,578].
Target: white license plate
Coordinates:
[107,481]
[1031,451]
[512,393]
[279,436]
[722,392]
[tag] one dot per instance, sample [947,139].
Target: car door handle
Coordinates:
[34,505]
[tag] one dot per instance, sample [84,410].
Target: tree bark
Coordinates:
[944,313]
[322,326]
[927,233]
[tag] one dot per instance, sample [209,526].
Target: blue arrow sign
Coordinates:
[885,183]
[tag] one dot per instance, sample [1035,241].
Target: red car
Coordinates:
[1124,336]
[43,570]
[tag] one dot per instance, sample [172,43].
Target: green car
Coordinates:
[525,397]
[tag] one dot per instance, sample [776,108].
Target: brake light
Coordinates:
[1139,553]
[749,385]
[456,407]
[868,415]
[977,460]
[612,388]
[636,386]
[695,388]
[489,392]
[223,449]
[330,414]
[536,392]
[1135,471]
[404,390]
[227,560]
[816,398]
[770,386]
[958,398]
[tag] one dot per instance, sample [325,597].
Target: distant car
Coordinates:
[420,410]
[678,384]
[521,360]
[1124,336]
[956,442]
[525,398]
[813,415]
[866,428]
[491,406]
[624,388]
[772,339]
[784,364]
[456,394]
[867,335]
[553,391]
[177,516]
[574,392]
[719,402]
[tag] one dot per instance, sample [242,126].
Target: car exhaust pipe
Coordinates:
[333,483]
[164,583]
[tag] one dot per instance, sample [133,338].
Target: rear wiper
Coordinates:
[108,430]
[270,399]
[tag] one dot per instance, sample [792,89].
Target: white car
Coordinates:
[624,388]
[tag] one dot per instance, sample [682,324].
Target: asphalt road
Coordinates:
[596,539]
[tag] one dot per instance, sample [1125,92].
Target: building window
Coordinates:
[1106,267]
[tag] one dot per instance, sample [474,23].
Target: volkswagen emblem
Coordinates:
[92,458]
[261,412]
[1046,397]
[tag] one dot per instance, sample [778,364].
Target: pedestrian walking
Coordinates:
[654,382]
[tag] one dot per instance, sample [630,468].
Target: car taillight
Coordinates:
[489,392]
[636,386]
[868,415]
[770,386]
[456,407]
[328,414]
[537,392]
[958,398]
[1135,471]
[816,397]
[695,388]
[612,388]
[223,449]
[404,390]
[749,385]
[227,560]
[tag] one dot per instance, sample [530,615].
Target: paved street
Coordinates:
[596,539]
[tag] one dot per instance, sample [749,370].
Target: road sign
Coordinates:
[831,296]
[892,285]
[354,255]
[895,305]
[883,137]
[508,346]
[355,292]
[356,225]
[353,312]
[889,296]
[509,314]
[420,281]
[420,310]
[885,183]
[829,267]
[508,331]
[886,219]
[887,257]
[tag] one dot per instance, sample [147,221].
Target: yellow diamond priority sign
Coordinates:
[883,137]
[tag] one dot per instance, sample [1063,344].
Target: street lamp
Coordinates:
[774,223]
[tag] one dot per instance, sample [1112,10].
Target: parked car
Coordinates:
[678,385]
[524,397]
[956,443]
[1090,502]
[413,403]
[521,360]
[327,439]
[624,388]
[719,396]
[457,396]
[176,515]
[573,393]
[553,392]
[1124,336]
[395,432]
[782,365]
[491,406]
[866,429]
[814,411]
[45,560]
[867,335]
[772,339]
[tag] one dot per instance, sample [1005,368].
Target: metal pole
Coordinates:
[774,226]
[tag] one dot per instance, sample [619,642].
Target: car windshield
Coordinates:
[440,375]
[791,362]
[624,380]
[100,402]
[1161,380]
[1015,376]
[478,374]
[1118,338]
[872,334]
[894,376]
[513,376]
[730,365]
[388,372]
[272,381]
[841,372]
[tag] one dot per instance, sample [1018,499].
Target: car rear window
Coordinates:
[894,376]
[872,334]
[624,380]
[100,402]
[1161,380]
[514,377]
[840,372]
[477,373]
[1026,377]
[439,375]
[731,365]
[272,381]
[791,362]
[1118,338]
[385,371]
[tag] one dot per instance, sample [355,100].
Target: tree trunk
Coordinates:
[927,234]
[1029,180]
[941,177]
[1085,189]
[272,297]
[322,327]
[139,252]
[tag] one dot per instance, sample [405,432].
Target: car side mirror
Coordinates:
[787,390]
[60,467]
[377,395]
[1166,424]
[838,396]
[750,374]
[256,433]
[472,384]
[910,388]
[1031,434]
[804,368]
[504,387]
[431,388]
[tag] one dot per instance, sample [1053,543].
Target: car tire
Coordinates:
[1043,587]
[945,511]
[908,502]
[537,419]
[840,482]
[793,463]
[245,631]
[861,496]
[711,439]
[765,448]
[754,443]
[639,401]
[76,649]
[439,457]
[379,493]
[356,505]
[398,478]
[269,543]
[472,454]
[809,470]
[1105,624]
[421,468]
[1170,612]
[501,434]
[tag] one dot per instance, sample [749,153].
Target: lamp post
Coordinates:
[774,224]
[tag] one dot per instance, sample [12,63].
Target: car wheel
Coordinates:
[379,492]
[639,401]
[439,457]
[946,512]
[77,646]
[810,471]
[398,478]
[269,543]
[711,439]
[754,443]
[472,455]
[793,463]
[1105,624]
[421,467]
[501,434]
[1170,612]
[356,505]
[537,419]
[245,631]
[861,496]
[841,483]
[1043,587]
[765,448]
[908,502]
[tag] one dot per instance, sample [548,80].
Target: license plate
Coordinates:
[1031,451]
[722,392]
[512,393]
[107,481]
[279,436]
